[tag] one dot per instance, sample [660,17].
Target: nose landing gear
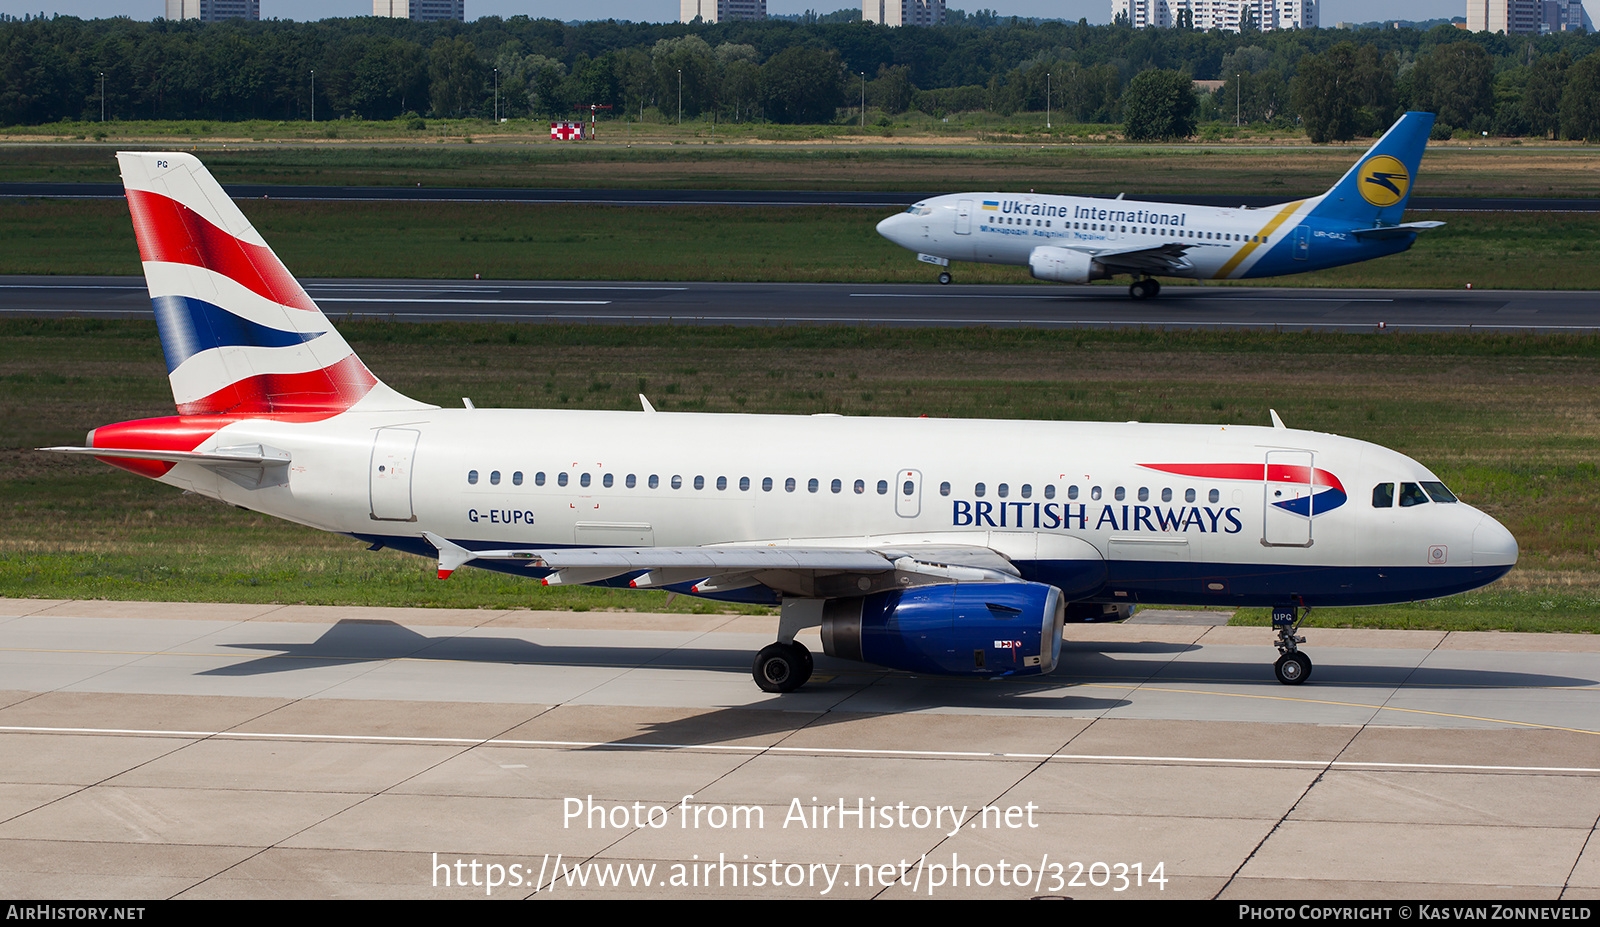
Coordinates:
[1293,667]
[945,278]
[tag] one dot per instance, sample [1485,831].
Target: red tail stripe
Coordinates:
[1277,473]
[331,389]
[172,232]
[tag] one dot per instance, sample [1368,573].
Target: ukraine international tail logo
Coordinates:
[1383,181]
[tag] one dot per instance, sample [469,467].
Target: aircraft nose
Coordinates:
[893,228]
[1493,544]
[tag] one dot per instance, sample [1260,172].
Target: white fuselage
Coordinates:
[1036,492]
[1219,243]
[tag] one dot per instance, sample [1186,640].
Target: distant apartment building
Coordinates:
[903,12]
[1227,15]
[1513,17]
[422,11]
[717,11]
[211,11]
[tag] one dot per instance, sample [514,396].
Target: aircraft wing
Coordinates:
[1167,259]
[1395,231]
[798,571]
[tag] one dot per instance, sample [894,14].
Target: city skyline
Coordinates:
[1095,11]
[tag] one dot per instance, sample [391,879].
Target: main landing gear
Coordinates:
[1148,288]
[945,278]
[781,667]
[1293,667]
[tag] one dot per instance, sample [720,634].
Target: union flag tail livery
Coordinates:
[240,335]
[1076,239]
[958,547]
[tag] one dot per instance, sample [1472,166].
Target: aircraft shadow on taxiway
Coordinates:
[367,641]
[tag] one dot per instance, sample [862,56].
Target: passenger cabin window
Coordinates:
[1412,494]
[1050,491]
[494,478]
[883,487]
[516,478]
[978,490]
[472,477]
[561,479]
[1383,496]
[607,480]
[812,485]
[538,478]
[944,489]
[583,480]
[655,481]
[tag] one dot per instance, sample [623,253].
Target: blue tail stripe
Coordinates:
[189,326]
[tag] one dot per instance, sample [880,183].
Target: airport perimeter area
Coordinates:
[157,750]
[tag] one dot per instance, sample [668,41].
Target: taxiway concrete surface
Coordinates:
[911,305]
[157,750]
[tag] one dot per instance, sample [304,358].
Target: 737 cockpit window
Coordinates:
[920,210]
[1437,492]
[1412,494]
[1383,496]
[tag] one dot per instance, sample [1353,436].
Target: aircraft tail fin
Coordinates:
[239,333]
[1375,190]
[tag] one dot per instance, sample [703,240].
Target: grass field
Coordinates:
[1509,422]
[798,244]
[847,162]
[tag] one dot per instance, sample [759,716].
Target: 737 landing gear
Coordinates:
[945,278]
[1145,289]
[1293,667]
[781,667]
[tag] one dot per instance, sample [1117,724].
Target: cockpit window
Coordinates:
[1412,494]
[1383,496]
[1437,492]
[919,210]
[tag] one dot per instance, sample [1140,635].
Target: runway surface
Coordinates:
[875,199]
[1193,307]
[153,750]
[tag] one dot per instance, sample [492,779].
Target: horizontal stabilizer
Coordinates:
[253,466]
[1383,232]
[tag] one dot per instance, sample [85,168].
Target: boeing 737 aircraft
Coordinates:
[1075,239]
[955,547]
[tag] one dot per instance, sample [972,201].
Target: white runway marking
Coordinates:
[812,751]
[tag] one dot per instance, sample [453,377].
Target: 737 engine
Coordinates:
[965,629]
[1064,265]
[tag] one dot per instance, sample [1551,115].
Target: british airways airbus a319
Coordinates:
[1075,239]
[956,547]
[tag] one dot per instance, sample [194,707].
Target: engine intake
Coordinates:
[1064,265]
[966,629]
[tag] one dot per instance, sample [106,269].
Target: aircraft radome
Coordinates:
[941,546]
[1076,239]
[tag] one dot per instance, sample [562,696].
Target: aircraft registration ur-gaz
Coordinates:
[1075,239]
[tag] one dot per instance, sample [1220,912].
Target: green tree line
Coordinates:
[1338,84]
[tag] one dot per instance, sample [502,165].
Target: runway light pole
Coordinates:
[102,96]
[313,95]
[1047,99]
[863,100]
[496,96]
[680,96]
